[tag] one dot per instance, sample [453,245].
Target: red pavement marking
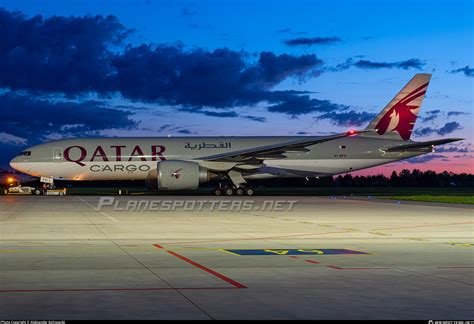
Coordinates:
[293,257]
[340,268]
[234,283]
[311,261]
[206,269]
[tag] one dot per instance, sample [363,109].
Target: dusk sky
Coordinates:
[189,68]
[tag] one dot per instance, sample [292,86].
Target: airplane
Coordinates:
[183,163]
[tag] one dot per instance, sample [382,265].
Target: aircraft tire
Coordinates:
[217,192]
[229,192]
[249,191]
[239,192]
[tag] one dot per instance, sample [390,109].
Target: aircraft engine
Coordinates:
[179,175]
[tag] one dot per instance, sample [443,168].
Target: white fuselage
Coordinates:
[135,158]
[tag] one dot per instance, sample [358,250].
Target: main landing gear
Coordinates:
[234,185]
[231,191]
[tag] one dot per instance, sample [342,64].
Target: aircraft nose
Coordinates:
[14,163]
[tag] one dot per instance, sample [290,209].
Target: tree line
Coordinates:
[404,178]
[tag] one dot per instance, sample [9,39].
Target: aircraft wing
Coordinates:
[421,145]
[273,151]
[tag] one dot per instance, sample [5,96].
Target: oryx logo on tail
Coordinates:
[402,116]
[398,118]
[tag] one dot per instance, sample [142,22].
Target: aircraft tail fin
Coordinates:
[398,118]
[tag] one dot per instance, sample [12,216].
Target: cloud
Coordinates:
[404,65]
[300,105]
[185,131]
[467,70]
[276,68]
[456,113]
[370,65]
[340,115]
[449,128]
[426,158]
[12,139]
[348,118]
[58,54]
[309,41]
[221,114]
[457,147]
[256,118]
[198,78]
[79,55]
[425,131]
[444,130]
[289,31]
[341,66]
[284,30]
[431,115]
[46,117]
[75,56]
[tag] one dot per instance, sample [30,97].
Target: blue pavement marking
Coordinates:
[293,251]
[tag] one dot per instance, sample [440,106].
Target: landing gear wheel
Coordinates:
[217,192]
[37,192]
[249,192]
[229,192]
[239,191]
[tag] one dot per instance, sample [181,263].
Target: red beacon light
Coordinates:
[351,132]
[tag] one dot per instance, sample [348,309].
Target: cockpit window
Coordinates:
[25,153]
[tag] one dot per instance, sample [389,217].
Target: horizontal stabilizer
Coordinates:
[421,145]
